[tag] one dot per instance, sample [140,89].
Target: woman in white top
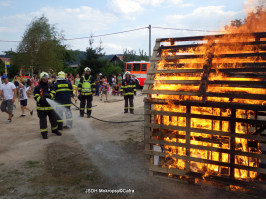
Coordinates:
[24,97]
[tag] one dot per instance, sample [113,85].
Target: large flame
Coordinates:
[255,22]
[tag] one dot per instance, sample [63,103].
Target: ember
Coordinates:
[206,106]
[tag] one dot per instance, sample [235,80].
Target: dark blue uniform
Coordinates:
[128,89]
[64,91]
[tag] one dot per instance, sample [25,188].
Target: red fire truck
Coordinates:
[138,69]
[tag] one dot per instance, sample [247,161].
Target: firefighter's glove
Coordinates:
[79,97]
[121,93]
[47,95]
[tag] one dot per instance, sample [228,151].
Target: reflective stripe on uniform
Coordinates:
[129,93]
[82,108]
[62,105]
[132,108]
[60,120]
[54,128]
[44,108]
[63,90]
[70,119]
[89,109]
[44,130]
[86,94]
[62,85]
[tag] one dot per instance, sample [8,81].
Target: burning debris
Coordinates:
[206,106]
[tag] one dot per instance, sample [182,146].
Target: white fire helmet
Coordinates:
[61,75]
[44,75]
[87,69]
[127,73]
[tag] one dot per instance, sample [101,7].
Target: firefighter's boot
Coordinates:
[44,135]
[57,132]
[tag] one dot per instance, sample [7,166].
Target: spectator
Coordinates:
[116,90]
[98,84]
[119,80]
[23,90]
[70,78]
[104,79]
[114,80]
[77,80]
[8,91]
[103,90]
[75,91]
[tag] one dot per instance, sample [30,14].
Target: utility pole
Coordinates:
[149,41]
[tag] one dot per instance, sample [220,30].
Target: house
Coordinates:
[5,58]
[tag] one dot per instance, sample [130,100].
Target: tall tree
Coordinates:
[41,47]
[92,59]
[2,67]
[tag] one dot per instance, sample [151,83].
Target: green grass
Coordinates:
[32,163]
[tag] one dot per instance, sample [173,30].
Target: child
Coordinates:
[23,97]
[116,90]
[103,90]
[75,89]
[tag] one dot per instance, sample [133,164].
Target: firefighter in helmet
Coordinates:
[86,89]
[64,91]
[128,89]
[42,92]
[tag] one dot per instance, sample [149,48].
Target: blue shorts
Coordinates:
[24,102]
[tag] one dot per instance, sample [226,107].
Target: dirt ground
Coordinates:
[84,161]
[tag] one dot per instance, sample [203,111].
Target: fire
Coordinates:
[212,54]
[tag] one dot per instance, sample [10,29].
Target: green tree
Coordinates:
[143,56]
[41,47]
[129,55]
[92,60]
[2,67]
[110,69]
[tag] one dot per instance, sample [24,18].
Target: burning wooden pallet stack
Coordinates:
[205,114]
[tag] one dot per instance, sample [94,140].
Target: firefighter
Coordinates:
[128,89]
[86,89]
[41,92]
[64,91]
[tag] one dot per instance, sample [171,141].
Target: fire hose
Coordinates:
[108,121]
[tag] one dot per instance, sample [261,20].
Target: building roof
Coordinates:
[5,58]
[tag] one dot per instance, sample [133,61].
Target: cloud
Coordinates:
[127,8]
[209,17]
[5,3]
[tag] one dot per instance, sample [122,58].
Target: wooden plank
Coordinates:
[170,92]
[238,95]
[208,94]
[192,146]
[205,161]
[201,116]
[186,82]
[258,69]
[211,104]
[232,126]
[246,84]
[205,131]
[220,179]
[174,71]
[177,47]
[207,37]
[147,132]
[191,56]
[188,122]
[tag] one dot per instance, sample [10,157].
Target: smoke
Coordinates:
[126,170]
[113,162]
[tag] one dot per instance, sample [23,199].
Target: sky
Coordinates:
[83,18]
